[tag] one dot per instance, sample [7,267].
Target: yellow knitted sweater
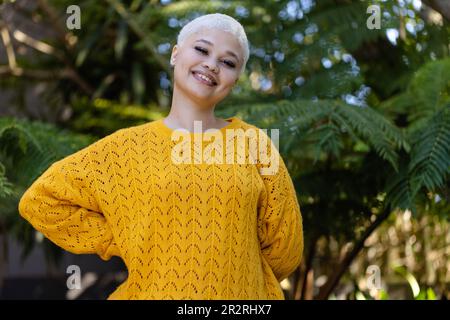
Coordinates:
[184,231]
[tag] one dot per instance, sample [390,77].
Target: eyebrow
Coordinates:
[211,44]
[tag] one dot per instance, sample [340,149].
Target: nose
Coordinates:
[211,66]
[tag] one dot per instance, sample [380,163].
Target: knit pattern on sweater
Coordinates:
[184,231]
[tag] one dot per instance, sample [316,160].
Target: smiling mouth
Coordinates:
[202,80]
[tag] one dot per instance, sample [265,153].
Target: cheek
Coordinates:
[191,59]
[186,63]
[228,79]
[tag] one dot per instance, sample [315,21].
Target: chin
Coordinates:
[198,93]
[198,90]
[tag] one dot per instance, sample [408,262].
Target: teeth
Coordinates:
[204,77]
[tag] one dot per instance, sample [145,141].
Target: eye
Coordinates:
[201,50]
[229,63]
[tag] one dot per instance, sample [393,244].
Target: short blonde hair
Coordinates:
[218,21]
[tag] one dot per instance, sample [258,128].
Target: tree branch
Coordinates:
[333,280]
[69,72]
[37,44]
[121,10]
[441,6]
[54,20]
[46,75]
[304,294]
[8,45]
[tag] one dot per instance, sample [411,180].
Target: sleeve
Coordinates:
[280,228]
[63,205]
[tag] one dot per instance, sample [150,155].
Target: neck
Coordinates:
[183,114]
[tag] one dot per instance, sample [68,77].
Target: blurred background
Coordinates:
[360,91]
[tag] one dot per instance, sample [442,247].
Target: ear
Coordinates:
[174,54]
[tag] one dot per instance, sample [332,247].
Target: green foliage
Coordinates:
[418,292]
[426,102]
[27,149]
[364,121]
[101,116]
[325,124]
[5,186]
[430,156]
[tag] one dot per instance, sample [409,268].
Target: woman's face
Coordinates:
[213,53]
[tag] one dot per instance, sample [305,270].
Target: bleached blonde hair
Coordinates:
[218,21]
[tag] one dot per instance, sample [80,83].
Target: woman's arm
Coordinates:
[63,205]
[280,227]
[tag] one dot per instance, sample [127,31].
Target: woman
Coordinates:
[185,229]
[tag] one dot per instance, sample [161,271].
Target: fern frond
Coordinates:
[326,122]
[399,191]
[28,148]
[430,88]
[430,155]
[6,187]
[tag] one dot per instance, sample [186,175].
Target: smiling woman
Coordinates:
[219,22]
[184,230]
[210,55]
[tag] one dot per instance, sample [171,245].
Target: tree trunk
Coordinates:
[301,295]
[333,280]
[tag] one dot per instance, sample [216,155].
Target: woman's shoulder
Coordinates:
[156,128]
[119,137]
[135,130]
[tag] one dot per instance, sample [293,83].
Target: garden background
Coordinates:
[360,91]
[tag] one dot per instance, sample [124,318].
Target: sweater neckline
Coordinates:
[162,127]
